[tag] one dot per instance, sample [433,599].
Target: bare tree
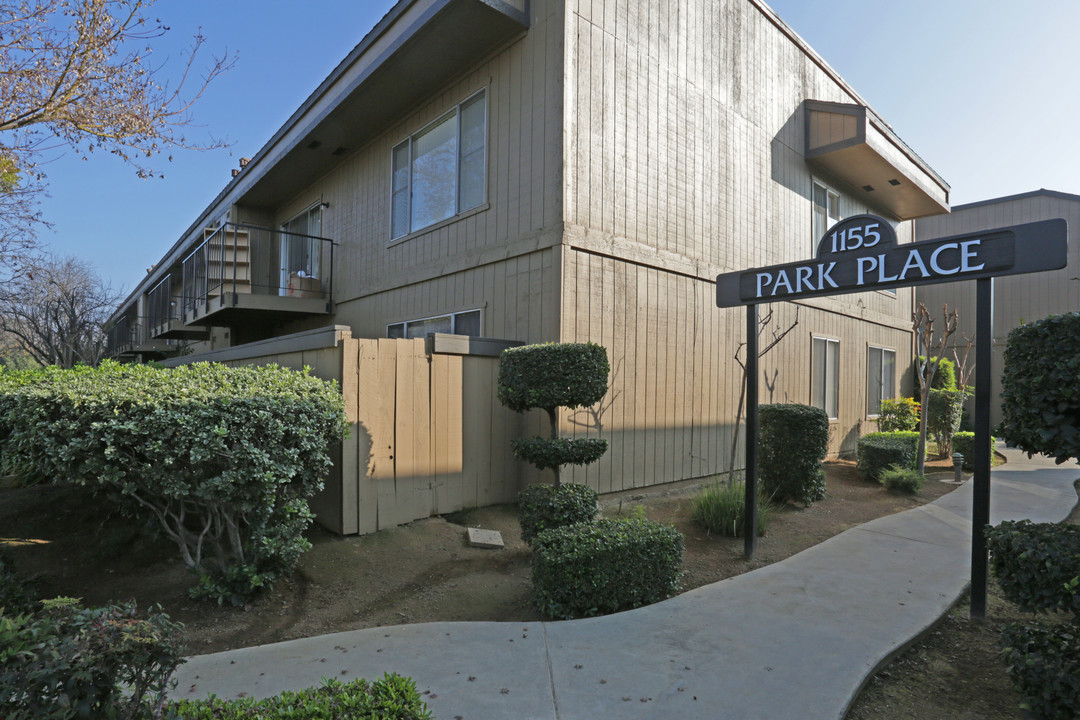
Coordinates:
[76,74]
[56,312]
[922,322]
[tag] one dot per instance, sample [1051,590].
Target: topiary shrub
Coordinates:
[721,508]
[392,697]
[604,567]
[1040,388]
[793,442]
[964,443]
[543,507]
[1044,663]
[1037,565]
[944,411]
[899,415]
[225,458]
[903,480]
[547,377]
[68,662]
[876,452]
[944,376]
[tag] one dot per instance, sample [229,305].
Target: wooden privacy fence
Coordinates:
[427,434]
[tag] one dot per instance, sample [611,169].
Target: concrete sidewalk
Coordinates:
[796,639]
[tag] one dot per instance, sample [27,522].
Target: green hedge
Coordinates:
[876,452]
[964,443]
[793,441]
[605,567]
[66,662]
[543,507]
[391,698]
[553,375]
[1044,663]
[1040,387]
[1037,565]
[234,452]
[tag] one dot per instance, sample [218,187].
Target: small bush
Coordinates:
[1037,565]
[391,698]
[944,408]
[68,662]
[549,453]
[721,508]
[876,452]
[899,415]
[902,480]
[944,377]
[793,441]
[1044,664]
[604,567]
[964,443]
[543,507]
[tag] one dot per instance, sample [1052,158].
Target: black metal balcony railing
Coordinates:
[161,305]
[131,335]
[239,260]
[119,338]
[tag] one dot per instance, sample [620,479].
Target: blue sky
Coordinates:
[980,89]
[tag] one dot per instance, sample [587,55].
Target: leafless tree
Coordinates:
[922,322]
[56,312]
[77,74]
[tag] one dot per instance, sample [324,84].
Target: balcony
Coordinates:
[164,304]
[242,273]
[130,338]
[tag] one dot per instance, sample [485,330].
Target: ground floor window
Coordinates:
[459,323]
[880,378]
[825,376]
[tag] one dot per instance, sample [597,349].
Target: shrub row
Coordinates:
[69,662]
[604,567]
[543,507]
[877,452]
[390,698]
[1037,564]
[793,442]
[225,458]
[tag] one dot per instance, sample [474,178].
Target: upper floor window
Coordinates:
[441,170]
[880,378]
[459,323]
[826,211]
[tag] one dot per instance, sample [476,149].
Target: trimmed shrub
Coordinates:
[902,480]
[944,377]
[793,442]
[543,507]
[604,567]
[1037,565]
[876,452]
[944,408]
[392,697]
[1044,664]
[1040,388]
[68,662]
[721,508]
[964,443]
[550,376]
[899,415]
[225,458]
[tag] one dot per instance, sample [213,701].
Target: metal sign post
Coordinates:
[861,253]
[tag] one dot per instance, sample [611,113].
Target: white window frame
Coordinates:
[407,144]
[453,317]
[881,395]
[822,383]
[832,203]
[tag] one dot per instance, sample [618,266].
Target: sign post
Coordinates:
[860,254]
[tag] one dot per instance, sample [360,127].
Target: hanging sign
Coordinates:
[861,253]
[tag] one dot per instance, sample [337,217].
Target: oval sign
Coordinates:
[858,232]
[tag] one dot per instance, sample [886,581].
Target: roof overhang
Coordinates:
[852,145]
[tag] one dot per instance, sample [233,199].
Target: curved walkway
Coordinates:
[796,639]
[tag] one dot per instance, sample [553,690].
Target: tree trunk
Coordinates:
[553,418]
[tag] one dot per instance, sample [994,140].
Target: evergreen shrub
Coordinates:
[793,442]
[1044,663]
[964,443]
[543,507]
[944,409]
[876,452]
[902,480]
[1037,565]
[899,415]
[225,458]
[604,567]
[944,377]
[1040,388]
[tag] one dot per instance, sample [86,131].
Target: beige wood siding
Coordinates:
[1019,298]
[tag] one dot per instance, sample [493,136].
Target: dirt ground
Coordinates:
[66,543]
